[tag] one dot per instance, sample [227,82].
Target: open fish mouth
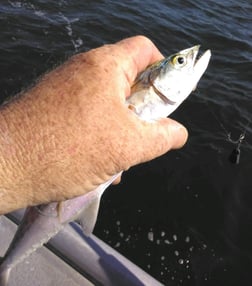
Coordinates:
[200,61]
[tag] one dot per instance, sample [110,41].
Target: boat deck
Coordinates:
[70,258]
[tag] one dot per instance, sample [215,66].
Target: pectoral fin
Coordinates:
[88,217]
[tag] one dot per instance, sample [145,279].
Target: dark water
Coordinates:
[186,217]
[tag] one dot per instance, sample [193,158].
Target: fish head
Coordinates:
[177,76]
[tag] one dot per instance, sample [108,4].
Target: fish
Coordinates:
[155,94]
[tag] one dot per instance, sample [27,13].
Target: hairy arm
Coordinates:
[72,130]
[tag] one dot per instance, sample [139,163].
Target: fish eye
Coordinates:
[179,60]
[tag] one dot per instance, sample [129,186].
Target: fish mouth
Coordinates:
[200,62]
[194,52]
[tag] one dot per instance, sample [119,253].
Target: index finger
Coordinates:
[139,52]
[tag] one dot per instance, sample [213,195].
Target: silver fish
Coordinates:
[156,93]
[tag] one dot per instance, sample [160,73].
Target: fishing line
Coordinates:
[234,156]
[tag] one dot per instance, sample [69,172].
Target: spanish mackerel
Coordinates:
[156,93]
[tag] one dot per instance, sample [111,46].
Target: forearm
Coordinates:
[53,138]
[35,148]
[14,192]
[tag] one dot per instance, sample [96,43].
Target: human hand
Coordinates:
[72,131]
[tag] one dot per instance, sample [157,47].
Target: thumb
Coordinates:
[161,136]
